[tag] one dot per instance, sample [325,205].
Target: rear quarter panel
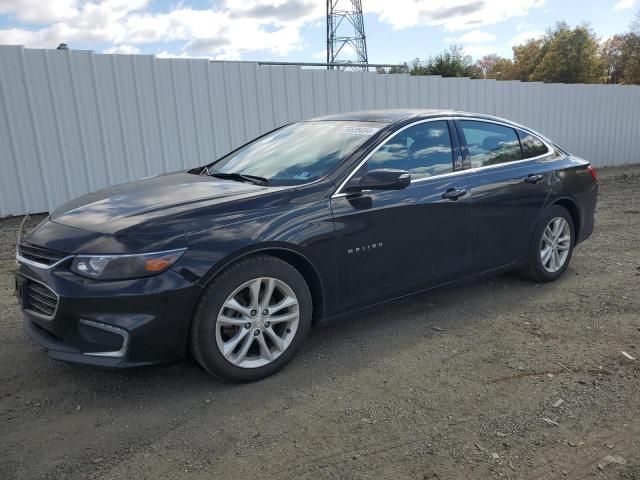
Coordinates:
[573,183]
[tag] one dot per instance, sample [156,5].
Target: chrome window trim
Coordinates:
[109,328]
[552,151]
[37,314]
[437,177]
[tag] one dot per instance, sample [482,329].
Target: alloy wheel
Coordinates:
[257,322]
[555,244]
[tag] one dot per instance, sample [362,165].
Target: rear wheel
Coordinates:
[251,319]
[552,246]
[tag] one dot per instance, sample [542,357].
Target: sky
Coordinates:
[294,30]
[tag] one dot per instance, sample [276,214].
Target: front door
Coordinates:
[394,242]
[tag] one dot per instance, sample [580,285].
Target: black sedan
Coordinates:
[234,261]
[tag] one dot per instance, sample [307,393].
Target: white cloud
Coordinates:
[524,36]
[321,55]
[479,51]
[91,23]
[504,50]
[39,11]
[523,26]
[231,27]
[451,15]
[20,36]
[624,4]
[474,36]
[123,49]
[167,54]
[237,26]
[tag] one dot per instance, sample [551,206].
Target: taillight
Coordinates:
[593,172]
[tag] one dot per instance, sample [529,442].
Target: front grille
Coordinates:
[40,255]
[40,299]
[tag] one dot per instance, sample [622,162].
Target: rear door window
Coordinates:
[532,146]
[490,143]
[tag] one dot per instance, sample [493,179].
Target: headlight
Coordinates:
[121,267]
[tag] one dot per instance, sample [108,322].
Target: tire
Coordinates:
[233,312]
[539,270]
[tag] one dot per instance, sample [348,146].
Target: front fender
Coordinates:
[299,231]
[267,248]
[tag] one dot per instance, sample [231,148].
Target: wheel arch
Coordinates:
[288,254]
[572,208]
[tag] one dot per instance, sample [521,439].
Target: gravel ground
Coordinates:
[503,379]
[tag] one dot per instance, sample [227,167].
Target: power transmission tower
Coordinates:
[346,41]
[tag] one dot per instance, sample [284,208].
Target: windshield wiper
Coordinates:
[241,177]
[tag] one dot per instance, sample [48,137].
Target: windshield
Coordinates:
[297,153]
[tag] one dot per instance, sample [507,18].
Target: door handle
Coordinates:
[453,193]
[533,178]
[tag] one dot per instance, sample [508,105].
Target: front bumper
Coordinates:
[111,324]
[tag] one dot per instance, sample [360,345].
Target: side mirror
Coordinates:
[380,179]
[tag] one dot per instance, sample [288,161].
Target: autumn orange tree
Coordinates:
[621,56]
[570,55]
[562,55]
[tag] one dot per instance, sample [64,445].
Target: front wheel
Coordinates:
[251,319]
[552,246]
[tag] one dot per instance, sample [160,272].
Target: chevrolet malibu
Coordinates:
[234,261]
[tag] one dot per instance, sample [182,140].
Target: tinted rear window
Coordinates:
[532,146]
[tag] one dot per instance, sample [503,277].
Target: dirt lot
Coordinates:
[454,384]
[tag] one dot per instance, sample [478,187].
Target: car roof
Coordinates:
[397,115]
[383,116]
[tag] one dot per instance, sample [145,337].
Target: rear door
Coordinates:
[509,184]
[399,241]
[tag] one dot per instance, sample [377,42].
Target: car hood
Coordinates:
[119,208]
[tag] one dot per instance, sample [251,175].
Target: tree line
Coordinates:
[562,55]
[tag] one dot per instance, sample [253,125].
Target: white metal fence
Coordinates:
[74,121]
